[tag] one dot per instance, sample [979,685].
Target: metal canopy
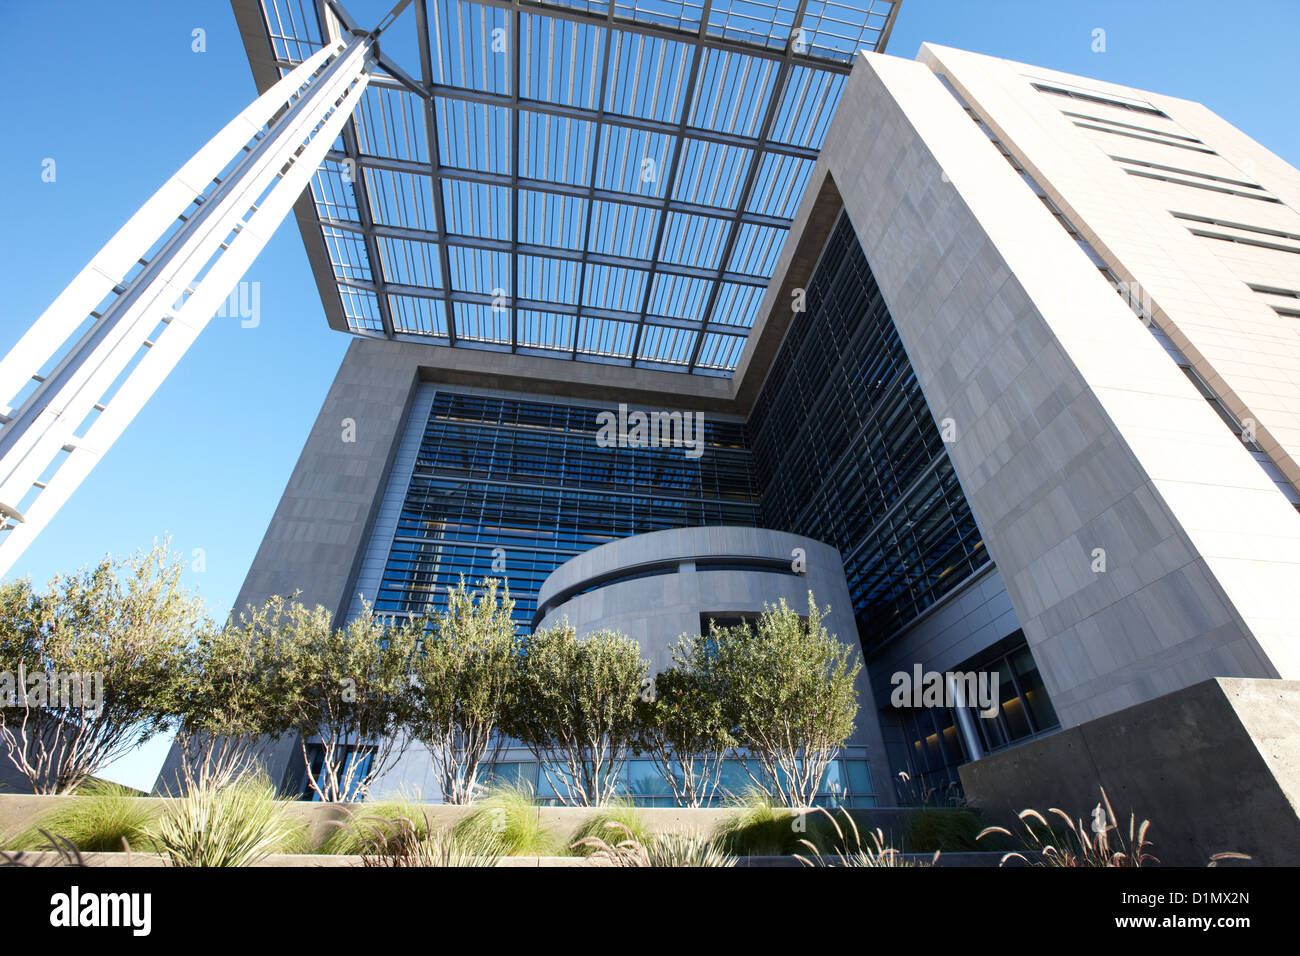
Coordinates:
[571,179]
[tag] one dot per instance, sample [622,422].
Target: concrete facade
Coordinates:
[1139,545]
[1162,198]
[1075,432]
[320,529]
[659,609]
[320,532]
[1214,767]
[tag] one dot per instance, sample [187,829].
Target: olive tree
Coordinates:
[462,679]
[229,704]
[576,709]
[683,725]
[790,697]
[341,688]
[88,666]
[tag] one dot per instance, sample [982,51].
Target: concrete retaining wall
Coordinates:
[1215,767]
[20,812]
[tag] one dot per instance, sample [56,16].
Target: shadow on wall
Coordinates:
[1215,767]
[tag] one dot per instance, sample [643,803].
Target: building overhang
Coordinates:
[540,180]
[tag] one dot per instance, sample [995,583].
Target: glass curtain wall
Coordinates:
[846,450]
[509,488]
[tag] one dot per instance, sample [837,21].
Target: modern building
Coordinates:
[1013,351]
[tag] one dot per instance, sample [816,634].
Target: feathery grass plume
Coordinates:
[102,817]
[352,834]
[628,852]
[403,842]
[509,814]
[1103,842]
[664,849]
[618,813]
[235,825]
[875,853]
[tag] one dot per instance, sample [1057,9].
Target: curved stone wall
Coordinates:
[656,587]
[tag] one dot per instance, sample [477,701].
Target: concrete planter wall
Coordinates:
[20,812]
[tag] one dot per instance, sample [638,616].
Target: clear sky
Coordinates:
[114,94]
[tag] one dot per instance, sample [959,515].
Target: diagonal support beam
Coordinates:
[228,200]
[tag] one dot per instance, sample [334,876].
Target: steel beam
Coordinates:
[747,191]
[208,222]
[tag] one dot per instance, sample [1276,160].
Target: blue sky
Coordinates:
[115,95]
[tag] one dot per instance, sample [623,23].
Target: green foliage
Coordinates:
[686,849]
[577,708]
[952,830]
[790,697]
[98,819]
[683,725]
[337,686]
[126,625]
[354,834]
[462,684]
[509,814]
[617,815]
[230,701]
[619,846]
[844,846]
[235,825]
[758,827]
[408,842]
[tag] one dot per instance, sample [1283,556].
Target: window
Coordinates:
[1139,129]
[1243,240]
[1150,139]
[1228,224]
[1136,106]
[1185,172]
[1194,185]
[936,744]
[846,782]
[846,450]
[526,478]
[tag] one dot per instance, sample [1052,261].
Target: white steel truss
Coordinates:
[145,297]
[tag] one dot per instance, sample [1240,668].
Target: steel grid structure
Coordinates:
[573,178]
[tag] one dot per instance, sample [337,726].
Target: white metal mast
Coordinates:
[107,342]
